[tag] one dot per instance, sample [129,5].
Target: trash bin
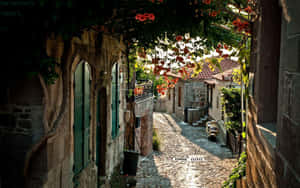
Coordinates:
[130,162]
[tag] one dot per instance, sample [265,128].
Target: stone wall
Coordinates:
[260,169]
[288,119]
[36,120]
[273,126]
[21,125]
[165,103]
[144,111]
[195,94]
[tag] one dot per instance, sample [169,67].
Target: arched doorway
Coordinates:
[82,94]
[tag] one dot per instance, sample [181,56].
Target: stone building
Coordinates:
[214,85]
[273,115]
[70,133]
[188,101]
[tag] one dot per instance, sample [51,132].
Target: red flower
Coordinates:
[213,13]
[176,50]
[225,46]
[225,55]
[161,1]
[186,50]
[180,59]
[219,51]
[151,17]
[179,38]
[146,15]
[143,18]
[236,22]
[138,16]
[248,9]
[207,2]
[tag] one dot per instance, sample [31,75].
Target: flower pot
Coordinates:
[130,162]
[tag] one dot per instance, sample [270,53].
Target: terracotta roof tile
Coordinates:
[206,72]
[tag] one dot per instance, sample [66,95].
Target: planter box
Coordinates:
[130,162]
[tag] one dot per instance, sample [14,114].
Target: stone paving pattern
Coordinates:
[187,158]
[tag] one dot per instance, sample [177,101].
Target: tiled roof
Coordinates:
[206,72]
[227,73]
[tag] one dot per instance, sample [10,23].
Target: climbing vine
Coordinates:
[237,173]
[231,102]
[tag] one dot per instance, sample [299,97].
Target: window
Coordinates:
[115,88]
[137,122]
[169,94]
[179,96]
[211,96]
[217,102]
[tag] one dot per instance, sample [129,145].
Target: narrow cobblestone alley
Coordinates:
[187,158]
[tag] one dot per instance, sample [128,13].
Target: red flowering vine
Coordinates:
[145,17]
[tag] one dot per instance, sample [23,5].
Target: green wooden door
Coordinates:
[81,116]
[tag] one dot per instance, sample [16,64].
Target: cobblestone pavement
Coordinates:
[187,158]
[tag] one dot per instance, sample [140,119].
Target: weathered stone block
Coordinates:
[17,109]
[25,116]
[25,123]
[289,147]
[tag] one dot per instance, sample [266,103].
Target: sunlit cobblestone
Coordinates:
[187,159]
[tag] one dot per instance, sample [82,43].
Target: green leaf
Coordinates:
[243,134]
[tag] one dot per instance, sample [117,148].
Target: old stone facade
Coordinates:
[144,125]
[186,94]
[215,108]
[273,126]
[37,120]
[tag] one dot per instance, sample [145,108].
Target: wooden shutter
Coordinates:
[78,119]
[81,116]
[87,95]
[113,102]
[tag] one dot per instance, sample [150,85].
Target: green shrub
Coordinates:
[155,141]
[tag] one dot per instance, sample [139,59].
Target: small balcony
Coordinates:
[143,94]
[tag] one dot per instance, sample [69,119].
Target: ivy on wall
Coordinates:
[231,102]
[237,173]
